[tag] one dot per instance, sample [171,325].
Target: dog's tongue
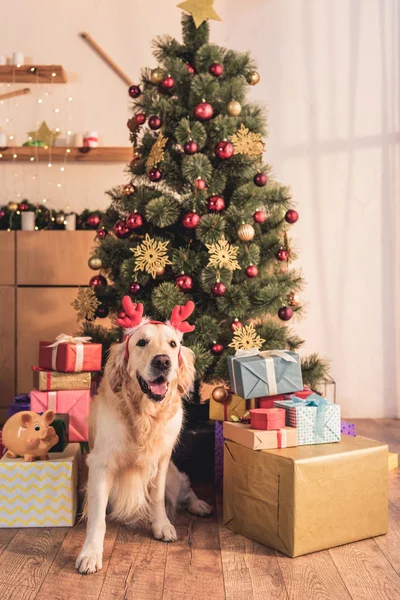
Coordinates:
[159,389]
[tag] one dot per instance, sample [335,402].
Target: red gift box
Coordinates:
[268,418]
[268,401]
[70,355]
[75,403]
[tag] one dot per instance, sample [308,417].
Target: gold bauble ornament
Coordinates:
[219,394]
[12,206]
[293,299]
[157,75]
[160,271]
[94,263]
[246,232]
[60,218]
[253,78]
[128,189]
[234,108]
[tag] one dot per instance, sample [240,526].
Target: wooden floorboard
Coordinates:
[390,544]
[6,535]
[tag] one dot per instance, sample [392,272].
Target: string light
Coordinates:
[14,155]
[1,156]
[68,150]
[58,185]
[62,169]
[18,66]
[53,74]
[11,137]
[33,69]
[36,228]
[18,212]
[32,158]
[56,110]
[49,165]
[40,101]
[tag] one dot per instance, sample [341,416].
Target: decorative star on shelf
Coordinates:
[151,255]
[44,134]
[223,255]
[201,10]
[85,304]
[157,151]
[246,142]
[246,338]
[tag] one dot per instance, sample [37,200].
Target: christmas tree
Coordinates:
[201,217]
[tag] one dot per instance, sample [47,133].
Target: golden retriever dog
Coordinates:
[134,424]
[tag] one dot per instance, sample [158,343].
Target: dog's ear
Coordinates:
[186,371]
[115,369]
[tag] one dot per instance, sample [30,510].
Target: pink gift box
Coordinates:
[268,418]
[75,403]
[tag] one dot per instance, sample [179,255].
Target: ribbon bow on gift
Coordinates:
[267,355]
[322,405]
[63,338]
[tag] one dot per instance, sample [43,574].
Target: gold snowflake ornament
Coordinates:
[246,338]
[151,255]
[85,304]
[223,255]
[248,143]
[157,151]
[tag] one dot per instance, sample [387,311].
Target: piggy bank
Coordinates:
[29,435]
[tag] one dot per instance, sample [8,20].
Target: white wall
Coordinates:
[330,77]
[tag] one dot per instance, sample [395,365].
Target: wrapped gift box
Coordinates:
[234,406]
[309,498]
[317,420]
[75,403]
[260,440]
[44,380]
[70,356]
[267,418]
[265,373]
[348,429]
[393,461]
[41,493]
[21,402]
[218,454]
[61,426]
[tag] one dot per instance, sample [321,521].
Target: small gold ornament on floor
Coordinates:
[253,78]
[94,263]
[85,304]
[157,151]
[223,255]
[156,76]
[246,338]
[151,256]
[12,206]
[201,10]
[246,232]
[128,189]
[246,142]
[234,108]
[44,135]
[219,394]
[293,299]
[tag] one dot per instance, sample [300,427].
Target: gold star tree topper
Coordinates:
[85,304]
[223,255]
[151,255]
[201,10]
[246,338]
[248,143]
[44,134]
[157,151]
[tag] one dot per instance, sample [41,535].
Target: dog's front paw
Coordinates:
[164,531]
[90,559]
[199,507]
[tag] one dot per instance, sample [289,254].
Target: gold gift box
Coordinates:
[309,498]
[54,381]
[258,439]
[235,407]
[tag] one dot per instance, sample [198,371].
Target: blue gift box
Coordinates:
[21,402]
[254,374]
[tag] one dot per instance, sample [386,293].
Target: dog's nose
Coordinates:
[161,362]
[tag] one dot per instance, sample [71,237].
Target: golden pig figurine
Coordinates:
[29,435]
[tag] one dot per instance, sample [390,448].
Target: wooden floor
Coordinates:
[208,562]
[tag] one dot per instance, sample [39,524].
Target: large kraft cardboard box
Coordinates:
[308,498]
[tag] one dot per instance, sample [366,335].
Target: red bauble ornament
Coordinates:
[98,281]
[190,68]
[260,179]
[93,221]
[134,221]
[203,111]
[291,216]
[184,282]
[102,233]
[134,91]
[134,287]
[224,150]
[155,122]
[121,230]
[236,325]
[168,83]
[251,271]
[23,206]
[200,184]
[282,254]
[140,118]
[218,289]
[102,311]
[216,69]
[190,147]
[216,203]
[190,220]
[259,216]
[217,349]
[2,214]
[154,174]
[285,313]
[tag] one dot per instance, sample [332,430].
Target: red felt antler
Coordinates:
[178,316]
[133,313]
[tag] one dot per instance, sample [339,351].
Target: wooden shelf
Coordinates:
[32,74]
[60,154]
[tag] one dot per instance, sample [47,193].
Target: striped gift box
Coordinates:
[41,493]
